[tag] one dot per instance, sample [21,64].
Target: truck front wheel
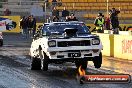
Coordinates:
[97,61]
[44,62]
[36,64]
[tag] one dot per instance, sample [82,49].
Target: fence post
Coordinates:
[111,37]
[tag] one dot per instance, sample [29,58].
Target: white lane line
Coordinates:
[8,45]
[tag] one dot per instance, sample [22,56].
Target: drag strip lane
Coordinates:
[15,64]
[15,69]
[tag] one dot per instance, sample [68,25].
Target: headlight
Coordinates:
[52,43]
[95,42]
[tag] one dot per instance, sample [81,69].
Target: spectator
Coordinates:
[59,2]
[31,25]
[54,3]
[55,19]
[65,13]
[107,23]
[114,20]
[7,12]
[34,25]
[71,18]
[23,27]
[99,23]
[47,4]
[55,12]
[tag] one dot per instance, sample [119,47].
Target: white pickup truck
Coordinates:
[61,42]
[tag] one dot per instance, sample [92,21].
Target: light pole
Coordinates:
[107,8]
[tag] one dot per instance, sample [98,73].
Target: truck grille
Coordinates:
[74,43]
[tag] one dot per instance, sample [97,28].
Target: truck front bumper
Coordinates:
[73,54]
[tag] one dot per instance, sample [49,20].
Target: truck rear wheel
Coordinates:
[97,61]
[36,64]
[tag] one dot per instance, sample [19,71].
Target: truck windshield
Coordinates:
[82,29]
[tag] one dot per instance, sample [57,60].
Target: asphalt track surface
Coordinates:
[15,69]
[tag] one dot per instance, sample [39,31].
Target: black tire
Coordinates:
[97,61]
[36,64]
[44,63]
[1,43]
[44,60]
[83,63]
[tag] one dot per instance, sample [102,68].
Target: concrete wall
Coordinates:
[119,46]
[123,46]
[106,44]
